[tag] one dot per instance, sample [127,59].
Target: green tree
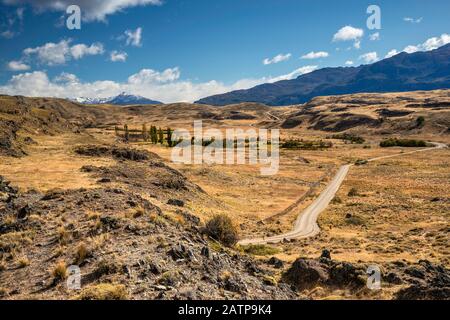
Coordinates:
[160,136]
[169,137]
[153,136]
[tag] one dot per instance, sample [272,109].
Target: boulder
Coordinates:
[305,274]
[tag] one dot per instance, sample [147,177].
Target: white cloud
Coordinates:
[51,53]
[436,42]
[18,66]
[412,20]
[315,55]
[58,53]
[279,58]
[164,86]
[292,75]
[430,44]
[374,36]
[349,63]
[391,53]
[134,38]
[149,76]
[78,51]
[117,56]
[92,9]
[370,57]
[349,33]
[411,49]
[65,77]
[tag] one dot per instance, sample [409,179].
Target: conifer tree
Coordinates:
[160,136]
[169,137]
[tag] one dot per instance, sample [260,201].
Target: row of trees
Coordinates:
[154,135]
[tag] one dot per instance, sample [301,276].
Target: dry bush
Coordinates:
[59,272]
[105,267]
[92,215]
[353,192]
[225,275]
[81,253]
[63,235]
[221,228]
[23,262]
[104,291]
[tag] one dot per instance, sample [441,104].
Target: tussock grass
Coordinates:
[104,291]
[59,272]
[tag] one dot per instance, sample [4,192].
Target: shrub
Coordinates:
[356,221]
[63,235]
[353,192]
[81,253]
[104,291]
[23,262]
[409,143]
[349,137]
[420,122]
[105,267]
[59,272]
[305,145]
[222,229]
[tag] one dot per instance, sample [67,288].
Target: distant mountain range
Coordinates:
[122,99]
[403,72]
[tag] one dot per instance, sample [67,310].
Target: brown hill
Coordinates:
[379,113]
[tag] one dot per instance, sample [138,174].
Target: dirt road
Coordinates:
[306,224]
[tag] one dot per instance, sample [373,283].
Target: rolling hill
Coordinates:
[403,72]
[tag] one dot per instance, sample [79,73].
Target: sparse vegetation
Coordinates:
[260,250]
[221,228]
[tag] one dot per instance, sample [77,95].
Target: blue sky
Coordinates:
[177,50]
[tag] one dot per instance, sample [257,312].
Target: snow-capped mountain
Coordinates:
[122,99]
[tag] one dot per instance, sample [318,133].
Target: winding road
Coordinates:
[306,224]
